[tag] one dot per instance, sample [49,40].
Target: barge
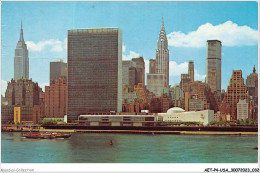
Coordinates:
[52,135]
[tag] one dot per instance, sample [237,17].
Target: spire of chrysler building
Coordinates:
[162,55]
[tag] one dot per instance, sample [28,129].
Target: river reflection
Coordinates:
[129,148]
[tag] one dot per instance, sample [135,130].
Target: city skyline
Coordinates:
[140,35]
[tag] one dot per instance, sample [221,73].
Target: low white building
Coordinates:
[118,120]
[179,115]
[242,110]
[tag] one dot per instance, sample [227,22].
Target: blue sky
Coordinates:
[188,25]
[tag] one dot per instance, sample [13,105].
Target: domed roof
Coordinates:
[175,110]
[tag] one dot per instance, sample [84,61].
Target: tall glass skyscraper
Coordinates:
[213,65]
[94,71]
[21,59]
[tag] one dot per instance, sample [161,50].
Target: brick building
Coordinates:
[22,95]
[55,98]
[23,92]
[236,90]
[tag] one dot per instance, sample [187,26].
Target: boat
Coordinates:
[47,135]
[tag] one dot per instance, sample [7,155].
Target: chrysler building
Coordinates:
[21,59]
[162,56]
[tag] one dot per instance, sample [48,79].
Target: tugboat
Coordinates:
[47,135]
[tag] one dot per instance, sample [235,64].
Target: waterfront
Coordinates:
[129,148]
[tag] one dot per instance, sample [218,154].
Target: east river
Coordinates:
[129,148]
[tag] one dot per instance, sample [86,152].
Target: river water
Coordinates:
[129,148]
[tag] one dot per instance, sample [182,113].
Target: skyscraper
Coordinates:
[94,71]
[191,70]
[162,56]
[128,74]
[236,90]
[152,65]
[21,59]
[55,98]
[213,65]
[140,70]
[58,69]
[251,83]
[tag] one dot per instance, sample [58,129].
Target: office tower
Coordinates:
[155,83]
[191,70]
[162,56]
[58,69]
[22,92]
[252,87]
[185,80]
[21,59]
[213,65]
[94,71]
[242,110]
[129,74]
[224,109]
[55,98]
[198,89]
[251,83]
[152,66]
[236,90]
[176,94]
[166,103]
[195,104]
[140,70]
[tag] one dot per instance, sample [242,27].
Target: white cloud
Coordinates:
[3,87]
[52,44]
[177,69]
[229,33]
[130,55]
[124,48]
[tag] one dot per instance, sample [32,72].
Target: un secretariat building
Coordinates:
[94,71]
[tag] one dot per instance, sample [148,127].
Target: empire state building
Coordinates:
[162,56]
[21,59]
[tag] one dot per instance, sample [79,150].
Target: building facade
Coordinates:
[129,74]
[236,90]
[213,65]
[196,104]
[23,114]
[152,66]
[94,71]
[22,92]
[252,87]
[185,80]
[56,98]
[162,56]
[191,70]
[7,114]
[118,120]
[21,59]
[242,110]
[140,70]
[179,115]
[176,94]
[155,83]
[58,69]
[251,81]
